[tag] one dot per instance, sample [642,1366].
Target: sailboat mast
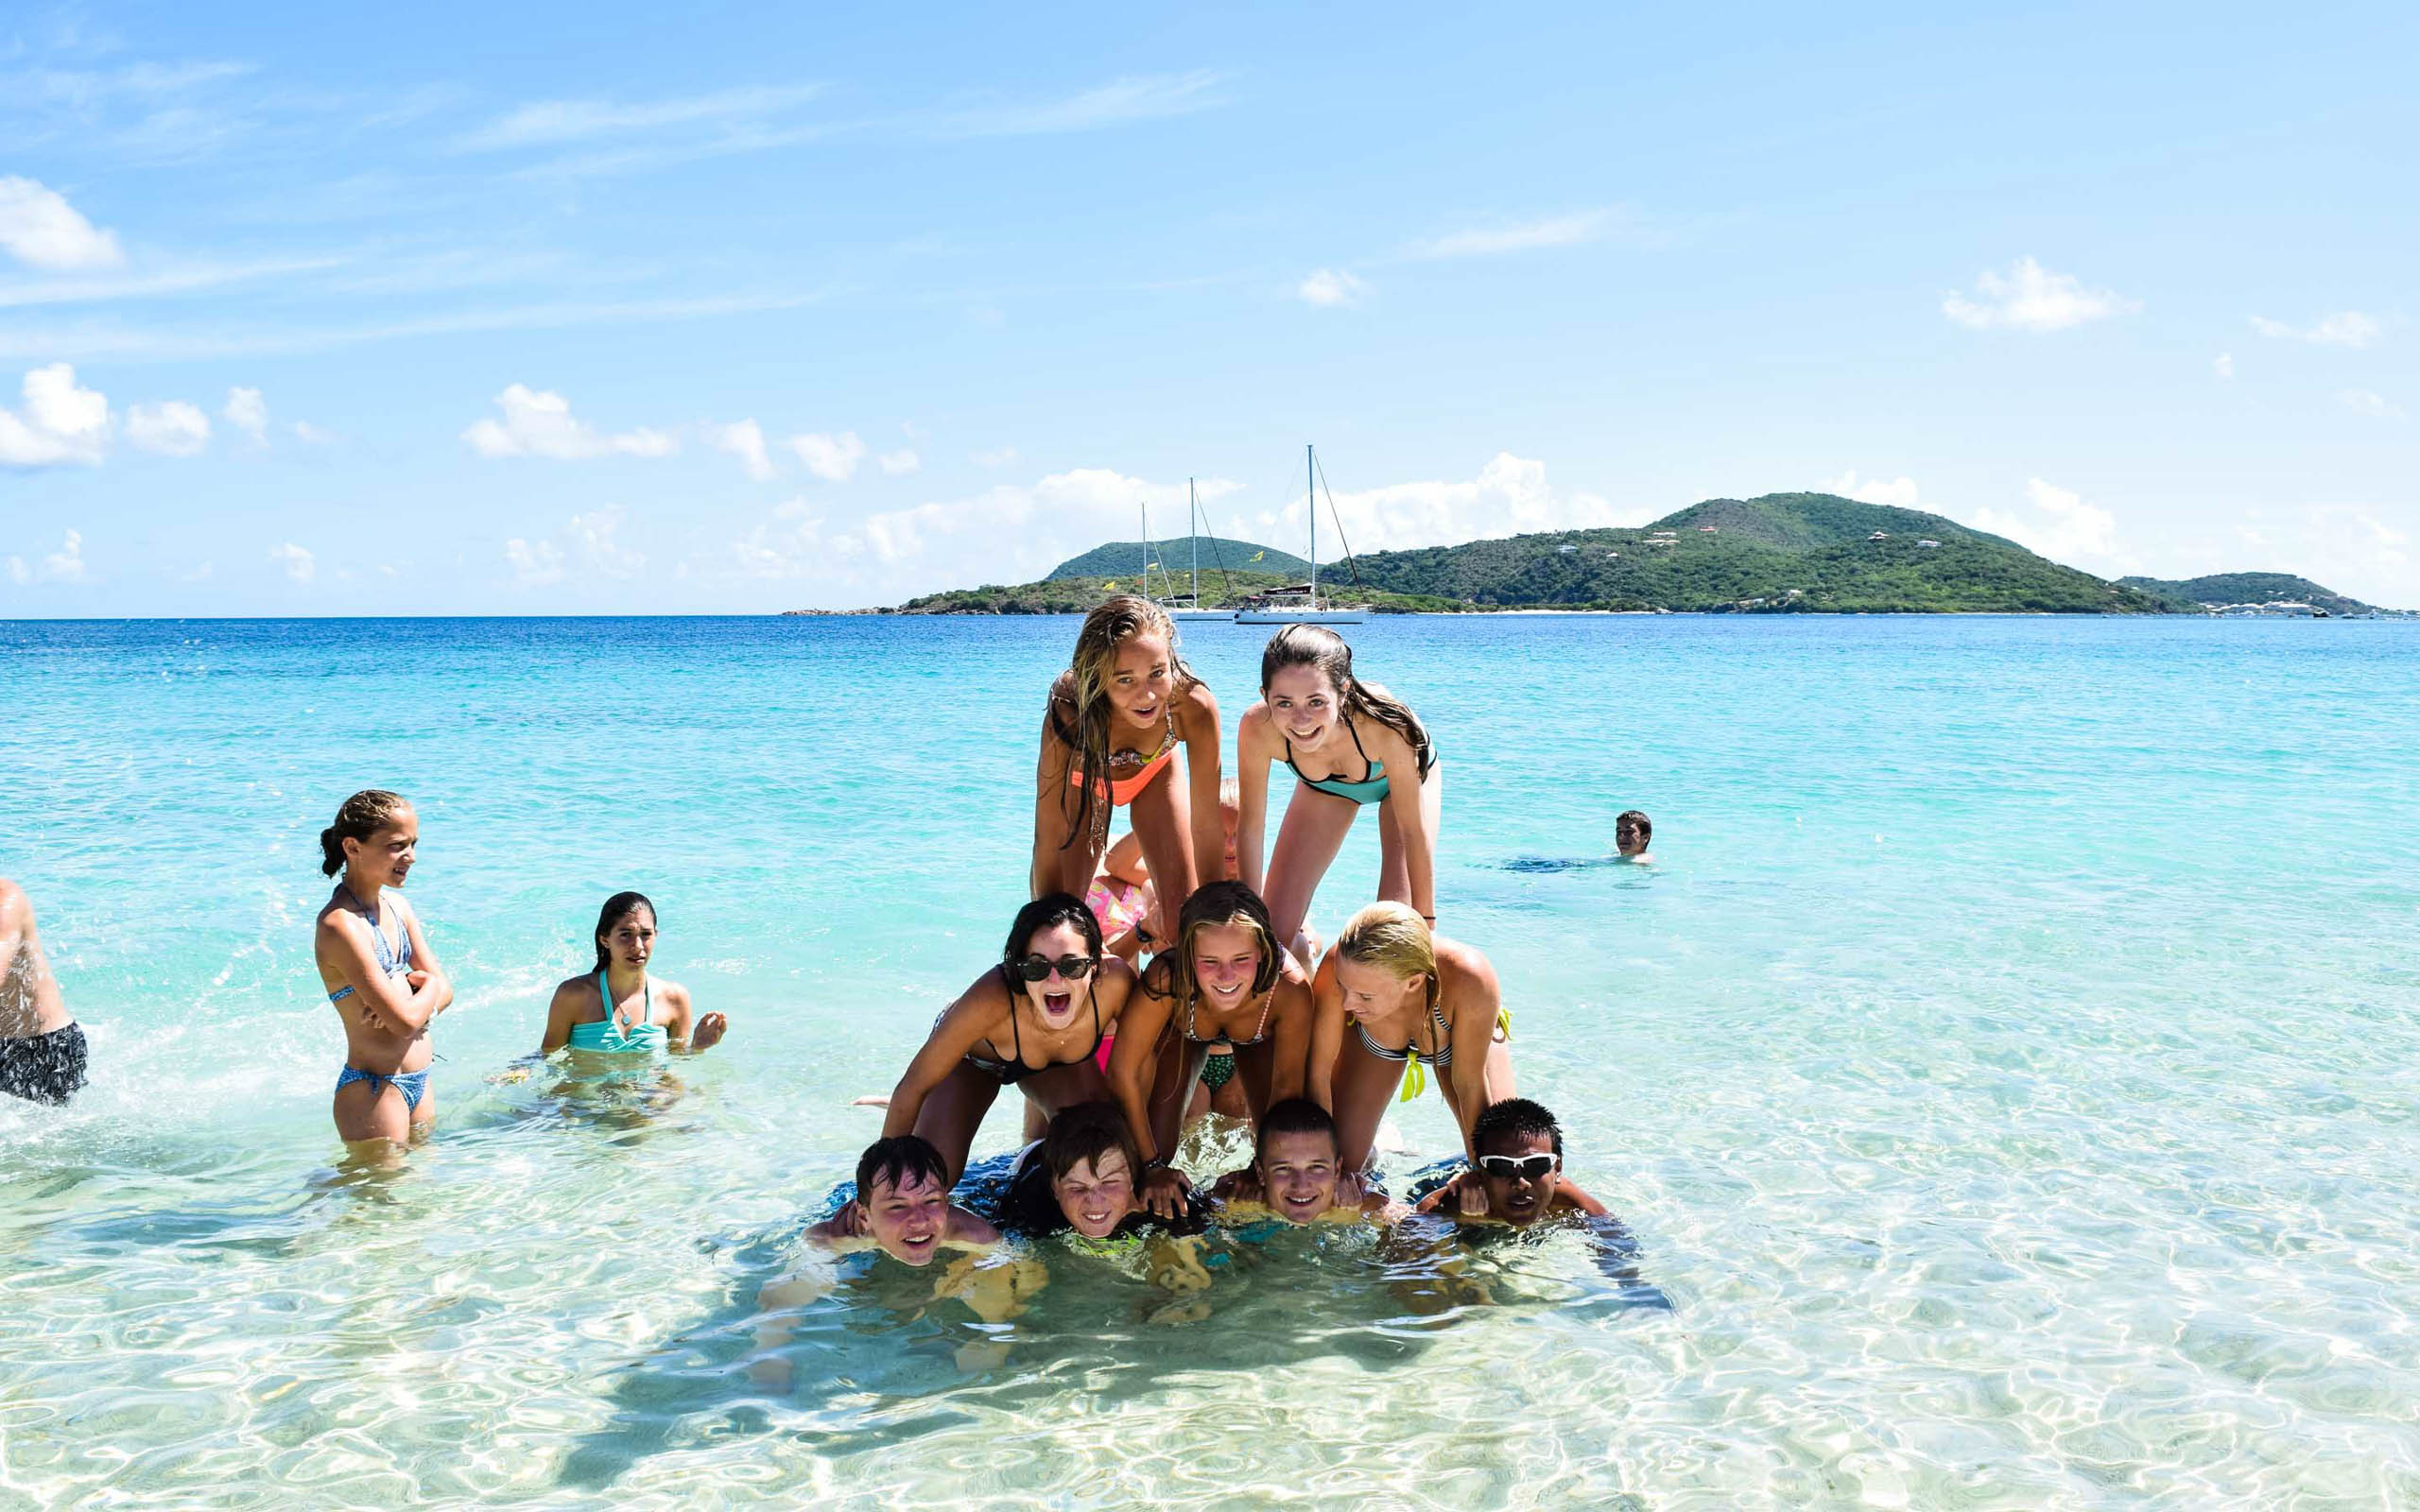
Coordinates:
[1310,469]
[1193,530]
[1146,510]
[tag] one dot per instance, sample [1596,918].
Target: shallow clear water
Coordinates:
[2006,1068]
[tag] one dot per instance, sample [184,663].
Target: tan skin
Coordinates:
[911,1222]
[30,1001]
[1153,1066]
[1356,1086]
[629,947]
[1303,708]
[1510,1198]
[1300,1177]
[1177,822]
[943,1098]
[1098,1195]
[386,1019]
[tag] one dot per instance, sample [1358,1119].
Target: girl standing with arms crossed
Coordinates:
[380,975]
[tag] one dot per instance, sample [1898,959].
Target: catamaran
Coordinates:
[1299,603]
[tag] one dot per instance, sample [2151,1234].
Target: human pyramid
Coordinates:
[1226,1009]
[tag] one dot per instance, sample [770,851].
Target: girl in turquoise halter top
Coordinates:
[589,1014]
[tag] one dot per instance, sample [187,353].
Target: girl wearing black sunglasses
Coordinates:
[1035,1022]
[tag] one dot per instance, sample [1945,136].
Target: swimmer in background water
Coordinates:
[379,973]
[1632,831]
[1110,737]
[613,1009]
[41,1046]
[1298,1175]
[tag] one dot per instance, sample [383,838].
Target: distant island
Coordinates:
[1779,554]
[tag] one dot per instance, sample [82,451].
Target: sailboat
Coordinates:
[1181,606]
[1299,603]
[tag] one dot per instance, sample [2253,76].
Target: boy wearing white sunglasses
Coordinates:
[1520,1170]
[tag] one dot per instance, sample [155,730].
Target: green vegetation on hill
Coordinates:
[1124,559]
[2247,587]
[1781,552]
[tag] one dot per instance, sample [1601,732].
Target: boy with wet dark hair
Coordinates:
[1632,830]
[1520,1169]
[1297,1173]
[903,1206]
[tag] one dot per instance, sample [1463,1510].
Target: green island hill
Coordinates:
[1782,553]
[2243,590]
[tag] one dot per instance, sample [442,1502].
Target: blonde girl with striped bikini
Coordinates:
[1396,1002]
[1117,717]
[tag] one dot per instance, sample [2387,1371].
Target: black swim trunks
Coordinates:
[46,1068]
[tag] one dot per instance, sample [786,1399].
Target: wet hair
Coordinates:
[1395,940]
[1295,1115]
[1082,690]
[1515,1118]
[362,815]
[618,908]
[1214,903]
[1315,646]
[1046,912]
[1087,1132]
[897,1160]
[1635,819]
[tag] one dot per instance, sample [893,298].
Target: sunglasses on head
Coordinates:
[1074,968]
[1524,1167]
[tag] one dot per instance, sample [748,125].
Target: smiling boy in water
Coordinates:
[1297,1174]
[903,1208]
[1632,830]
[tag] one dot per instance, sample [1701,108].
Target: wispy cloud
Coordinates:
[1141,97]
[744,439]
[2030,297]
[1900,491]
[2346,328]
[553,122]
[134,344]
[833,458]
[165,282]
[65,565]
[2363,402]
[1330,287]
[1496,239]
[2065,527]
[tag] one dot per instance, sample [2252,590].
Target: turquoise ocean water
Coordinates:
[2007,1068]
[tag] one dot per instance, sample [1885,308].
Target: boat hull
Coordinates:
[1279,616]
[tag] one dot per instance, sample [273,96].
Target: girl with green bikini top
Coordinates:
[612,1010]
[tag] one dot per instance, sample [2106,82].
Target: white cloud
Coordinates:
[1522,237]
[1899,491]
[173,428]
[1001,457]
[788,547]
[744,439]
[1511,496]
[1330,286]
[2363,401]
[2065,528]
[2346,328]
[298,562]
[310,435]
[248,412]
[539,424]
[547,122]
[58,422]
[65,565]
[586,546]
[1147,98]
[2031,298]
[833,458]
[41,230]
[2224,366]
[901,462]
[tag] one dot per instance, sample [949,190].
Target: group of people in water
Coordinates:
[1142,982]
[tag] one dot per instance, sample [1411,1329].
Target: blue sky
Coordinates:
[555,309]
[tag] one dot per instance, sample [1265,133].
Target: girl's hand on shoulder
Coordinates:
[709,1032]
[1164,1191]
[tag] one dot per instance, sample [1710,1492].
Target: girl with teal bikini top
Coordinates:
[592,1015]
